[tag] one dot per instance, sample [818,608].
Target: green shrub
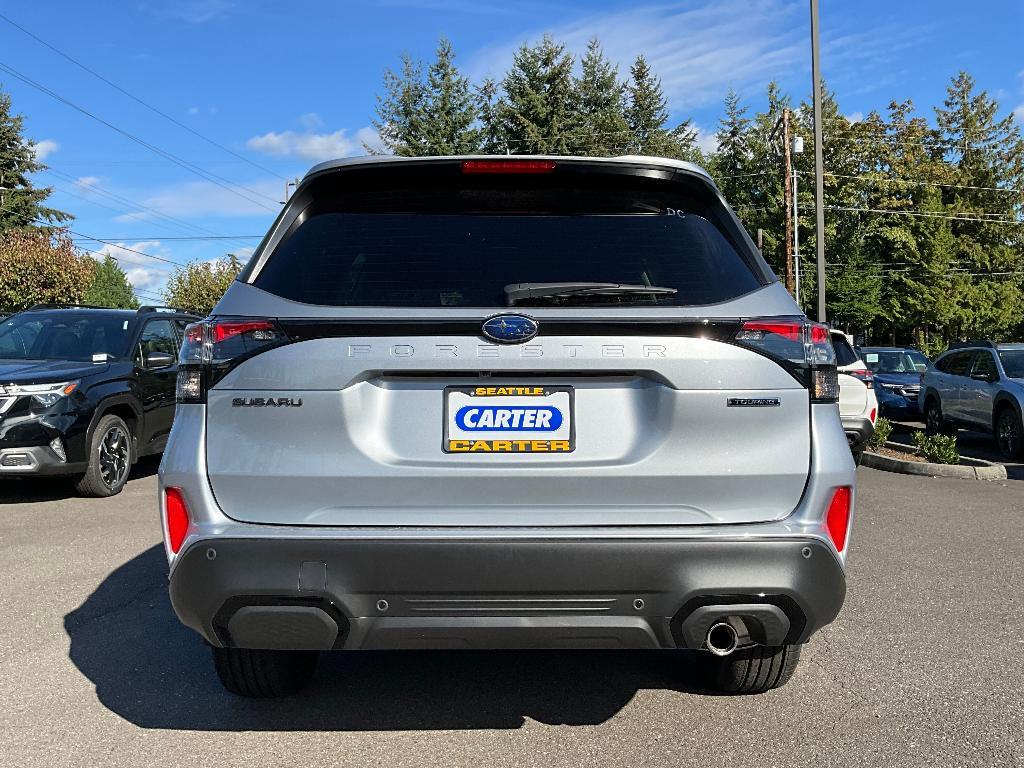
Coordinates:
[883,429]
[939,449]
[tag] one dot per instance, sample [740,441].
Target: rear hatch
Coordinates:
[363,389]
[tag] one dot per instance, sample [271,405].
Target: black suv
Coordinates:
[86,391]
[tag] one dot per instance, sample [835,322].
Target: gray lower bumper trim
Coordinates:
[437,593]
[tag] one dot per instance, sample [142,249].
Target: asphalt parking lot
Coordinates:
[925,666]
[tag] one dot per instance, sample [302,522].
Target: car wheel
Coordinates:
[263,674]
[111,454]
[1009,434]
[752,670]
[858,456]
[934,423]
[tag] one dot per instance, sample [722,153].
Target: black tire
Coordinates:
[262,674]
[1009,434]
[752,670]
[934,422]
[111,455]
[857,457]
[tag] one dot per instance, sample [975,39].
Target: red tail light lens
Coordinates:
[212,347]
[874,413]
[863,374]
[837,519]
[177,518]
[803,347]
[508,166]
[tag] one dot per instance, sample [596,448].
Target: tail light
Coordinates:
[177,515]
[213,347]
[804,348]
[863,374]
[837,519]
[874,413]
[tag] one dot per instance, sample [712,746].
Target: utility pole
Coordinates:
[788,199]
[819,164]
[798,149]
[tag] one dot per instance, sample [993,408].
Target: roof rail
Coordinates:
[66,306]
[156,308]
[976,343]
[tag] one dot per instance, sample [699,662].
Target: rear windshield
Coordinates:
[1013,362]
[463,250]
[844,352]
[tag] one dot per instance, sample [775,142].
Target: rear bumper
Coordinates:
[859,430]
[434,592]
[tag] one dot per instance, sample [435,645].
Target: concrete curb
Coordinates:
[981,469]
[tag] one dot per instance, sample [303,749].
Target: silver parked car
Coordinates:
[977,385]
[506,402]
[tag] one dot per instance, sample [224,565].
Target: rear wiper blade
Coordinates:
[519,292]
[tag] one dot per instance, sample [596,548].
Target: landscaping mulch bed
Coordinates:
[896,454]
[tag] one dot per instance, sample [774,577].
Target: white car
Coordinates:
[858,406]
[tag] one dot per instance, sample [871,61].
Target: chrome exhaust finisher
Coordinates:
[721,639]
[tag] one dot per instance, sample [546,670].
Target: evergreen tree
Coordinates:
[601,127]
[535,111]
[647,116]
[400,111]
[22,205]
[734,158]
[449,109]
[985,151]
[110,286]
[486,107]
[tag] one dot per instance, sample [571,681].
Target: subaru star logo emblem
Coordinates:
[510,329]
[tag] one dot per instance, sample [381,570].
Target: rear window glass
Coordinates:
[460,247]
[1013,362]
[844,352]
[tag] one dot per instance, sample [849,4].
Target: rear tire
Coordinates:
[1009,433]
[262,674]
[934,422]
[752,670]
[857,457]
[111,455]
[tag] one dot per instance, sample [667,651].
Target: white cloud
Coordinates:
[141,275]
[707,142]
[203,198]
[85,182]
[45,148]
[311,146]
[855,117]
[195,11]
[1018,113]
[698,51]
[193,110]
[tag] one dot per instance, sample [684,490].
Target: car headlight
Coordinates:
[44,394]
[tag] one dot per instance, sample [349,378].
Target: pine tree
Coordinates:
[734,158]
[486,107]
[535,111]
[110,286]
[21,203]
[400,111]
[985,151]
[449,110]
[601,128]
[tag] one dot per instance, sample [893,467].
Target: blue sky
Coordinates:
[285,85]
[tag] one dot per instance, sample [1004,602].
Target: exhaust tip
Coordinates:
[721,639]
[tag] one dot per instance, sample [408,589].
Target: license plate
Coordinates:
[509,419]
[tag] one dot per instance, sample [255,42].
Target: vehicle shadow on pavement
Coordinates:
[17,490]
[155,673]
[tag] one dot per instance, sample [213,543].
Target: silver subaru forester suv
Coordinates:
[506,402]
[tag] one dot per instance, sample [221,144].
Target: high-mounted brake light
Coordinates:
[508,166]
[176,511]
[837,518]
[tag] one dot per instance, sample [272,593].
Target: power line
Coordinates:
[135,98]
[213,178]
[191,237]
[885,180]
[922,214]
[93,187]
